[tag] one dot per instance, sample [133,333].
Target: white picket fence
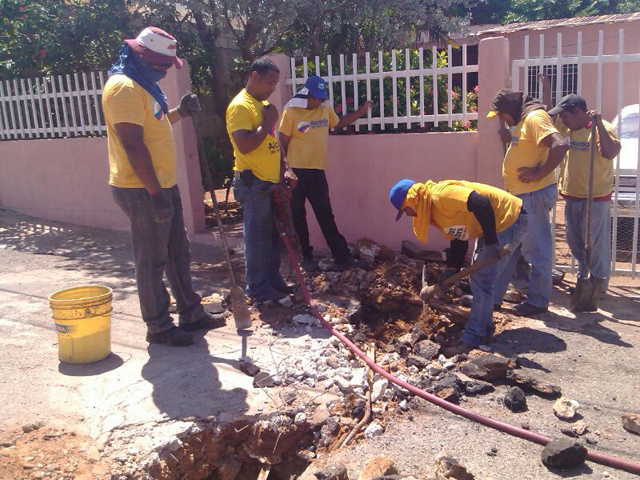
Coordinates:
[408,114]
[52,107]
[625,211]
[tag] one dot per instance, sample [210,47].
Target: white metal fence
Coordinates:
[52,107]
[625,210]
[410,88]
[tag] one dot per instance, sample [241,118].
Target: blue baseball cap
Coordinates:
[317,87]
[398,193]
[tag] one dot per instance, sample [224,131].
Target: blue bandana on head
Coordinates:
[136,69]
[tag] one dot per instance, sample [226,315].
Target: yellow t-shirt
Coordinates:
[125,101]
[245,113]
[449,212]
[309,132]
[527,151]
[574,170]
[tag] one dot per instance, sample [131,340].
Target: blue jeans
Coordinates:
[159,248]
[485,286]
[261,239]
[537,247]
[575,213]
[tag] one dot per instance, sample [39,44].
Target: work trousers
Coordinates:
[261,239]
[160,248]
[312,185]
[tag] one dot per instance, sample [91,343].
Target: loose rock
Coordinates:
[374,430]
[426,349]
[263,380]
[378,467]
[527,381]
[515,400]
[419,362]
[631,422]
[580,427]
[448,467]
[334,472]
[487,367]
[564,454]
[565,408]
[249,368]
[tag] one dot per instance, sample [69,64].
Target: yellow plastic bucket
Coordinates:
[83,321]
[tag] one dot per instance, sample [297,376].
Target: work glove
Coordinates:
[489,253]
[189,104]
[162,206]
[449,272]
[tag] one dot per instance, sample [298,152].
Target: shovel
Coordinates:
[241,315]
[429,291]
[588,292]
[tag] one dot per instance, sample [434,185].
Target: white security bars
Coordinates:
[409,88]
[52,107]
[625,210]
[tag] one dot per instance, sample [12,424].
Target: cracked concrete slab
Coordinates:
[140,395]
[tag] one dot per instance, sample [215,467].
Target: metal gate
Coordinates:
[590,76]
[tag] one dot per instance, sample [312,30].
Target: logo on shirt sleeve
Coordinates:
[459,232]
[303,127]
[157,111]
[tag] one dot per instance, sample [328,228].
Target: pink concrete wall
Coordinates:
[364,167]
[67,179]
[631,74]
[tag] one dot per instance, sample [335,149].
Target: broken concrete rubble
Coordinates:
[487,367]
[378,467]
[566,408]
[631,422]
[527,381]
[448,467]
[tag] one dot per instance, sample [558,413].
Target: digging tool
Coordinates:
[241,314]
[586,296]
[429,291]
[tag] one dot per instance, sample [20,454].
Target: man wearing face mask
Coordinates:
[142,163]
[535,150]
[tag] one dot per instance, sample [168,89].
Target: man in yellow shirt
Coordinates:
[535,150]
[574,123]
[143,181]
[304,133]
[259,166]
[465,211]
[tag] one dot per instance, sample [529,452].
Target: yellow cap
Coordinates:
[492,114]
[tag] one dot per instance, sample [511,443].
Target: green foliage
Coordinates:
[61,36]
[509,11]
[401,92]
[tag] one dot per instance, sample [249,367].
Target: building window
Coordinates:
[569,79]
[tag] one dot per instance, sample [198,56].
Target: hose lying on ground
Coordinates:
[603,459]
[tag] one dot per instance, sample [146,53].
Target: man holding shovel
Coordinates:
[577,124]
[464,211]
[304,132]
[142,163]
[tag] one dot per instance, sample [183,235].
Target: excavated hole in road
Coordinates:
[236,451]
[388,299]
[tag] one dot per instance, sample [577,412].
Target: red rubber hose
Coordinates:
[603,459]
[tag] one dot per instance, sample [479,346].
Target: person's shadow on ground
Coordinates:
[186,382]
[523,340]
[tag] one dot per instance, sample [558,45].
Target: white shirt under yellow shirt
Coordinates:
[526,150]
[309,133]
[574,169]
